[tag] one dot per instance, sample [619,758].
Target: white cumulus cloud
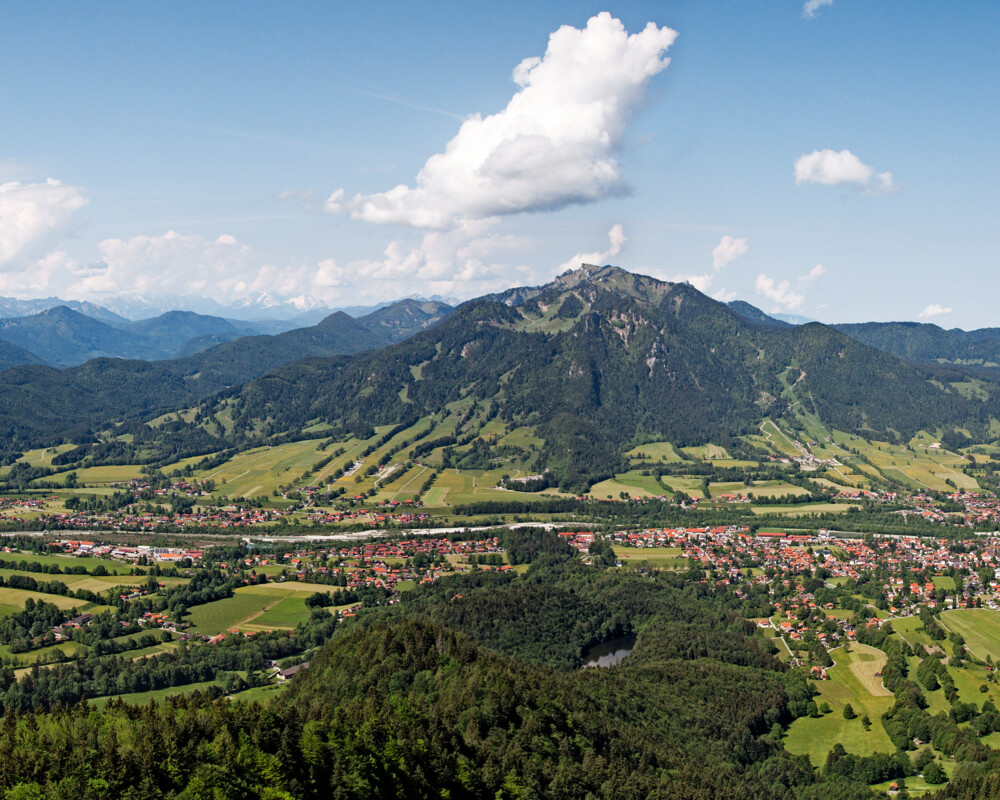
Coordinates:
[831,168]
[703,282]
[935,310]
[727,251]
[553,145]
[616,240]
[335,202]
[33,216]
[781,293]
[812,6]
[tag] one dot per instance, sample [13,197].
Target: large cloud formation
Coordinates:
[553,145]
[32,216]
[172,262]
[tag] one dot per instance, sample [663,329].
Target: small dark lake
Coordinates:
[610,652]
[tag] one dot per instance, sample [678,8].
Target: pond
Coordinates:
[609,652]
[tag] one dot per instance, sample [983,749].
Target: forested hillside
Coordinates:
[13,356]
[925,342]
[601,360]
[394,706]
[597,362]
[42,404]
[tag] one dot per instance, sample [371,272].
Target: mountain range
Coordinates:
[601,359]
[43,403]
[595,362]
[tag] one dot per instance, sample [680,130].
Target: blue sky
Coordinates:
[230,149]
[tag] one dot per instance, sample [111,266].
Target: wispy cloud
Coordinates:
[391,97]
[812,6]
[728,250]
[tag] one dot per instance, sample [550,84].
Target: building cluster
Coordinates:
[381,565]
[77,547]
[175,489]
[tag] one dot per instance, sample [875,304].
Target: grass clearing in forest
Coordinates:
[633,483]
[286,613]
[851,680]
[706,452]
[656,451]
[258,472]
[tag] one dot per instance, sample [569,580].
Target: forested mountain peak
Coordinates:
[601,360]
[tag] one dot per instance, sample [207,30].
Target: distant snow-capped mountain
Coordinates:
[256,307]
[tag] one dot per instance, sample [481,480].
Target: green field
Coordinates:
[262,694]
[917,465]
[852,680]
[690,486]
[979,626]
[910,629]
[803,509]
[656,451]
[223,615]
[661,557]
[93,583]
[706,452]
[634,484]
[258,472]
[47,655]
[144,698]
[268,606]
[17,597]
[286,613]
[777,440]
[86,562]
[454,487]
[759,489]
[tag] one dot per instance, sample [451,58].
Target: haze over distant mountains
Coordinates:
[68,333]
[65,333]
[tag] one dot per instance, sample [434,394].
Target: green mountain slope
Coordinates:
[754,314]
[601,360]
[925,342]
[13,356]
[63,337]
[42,404]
